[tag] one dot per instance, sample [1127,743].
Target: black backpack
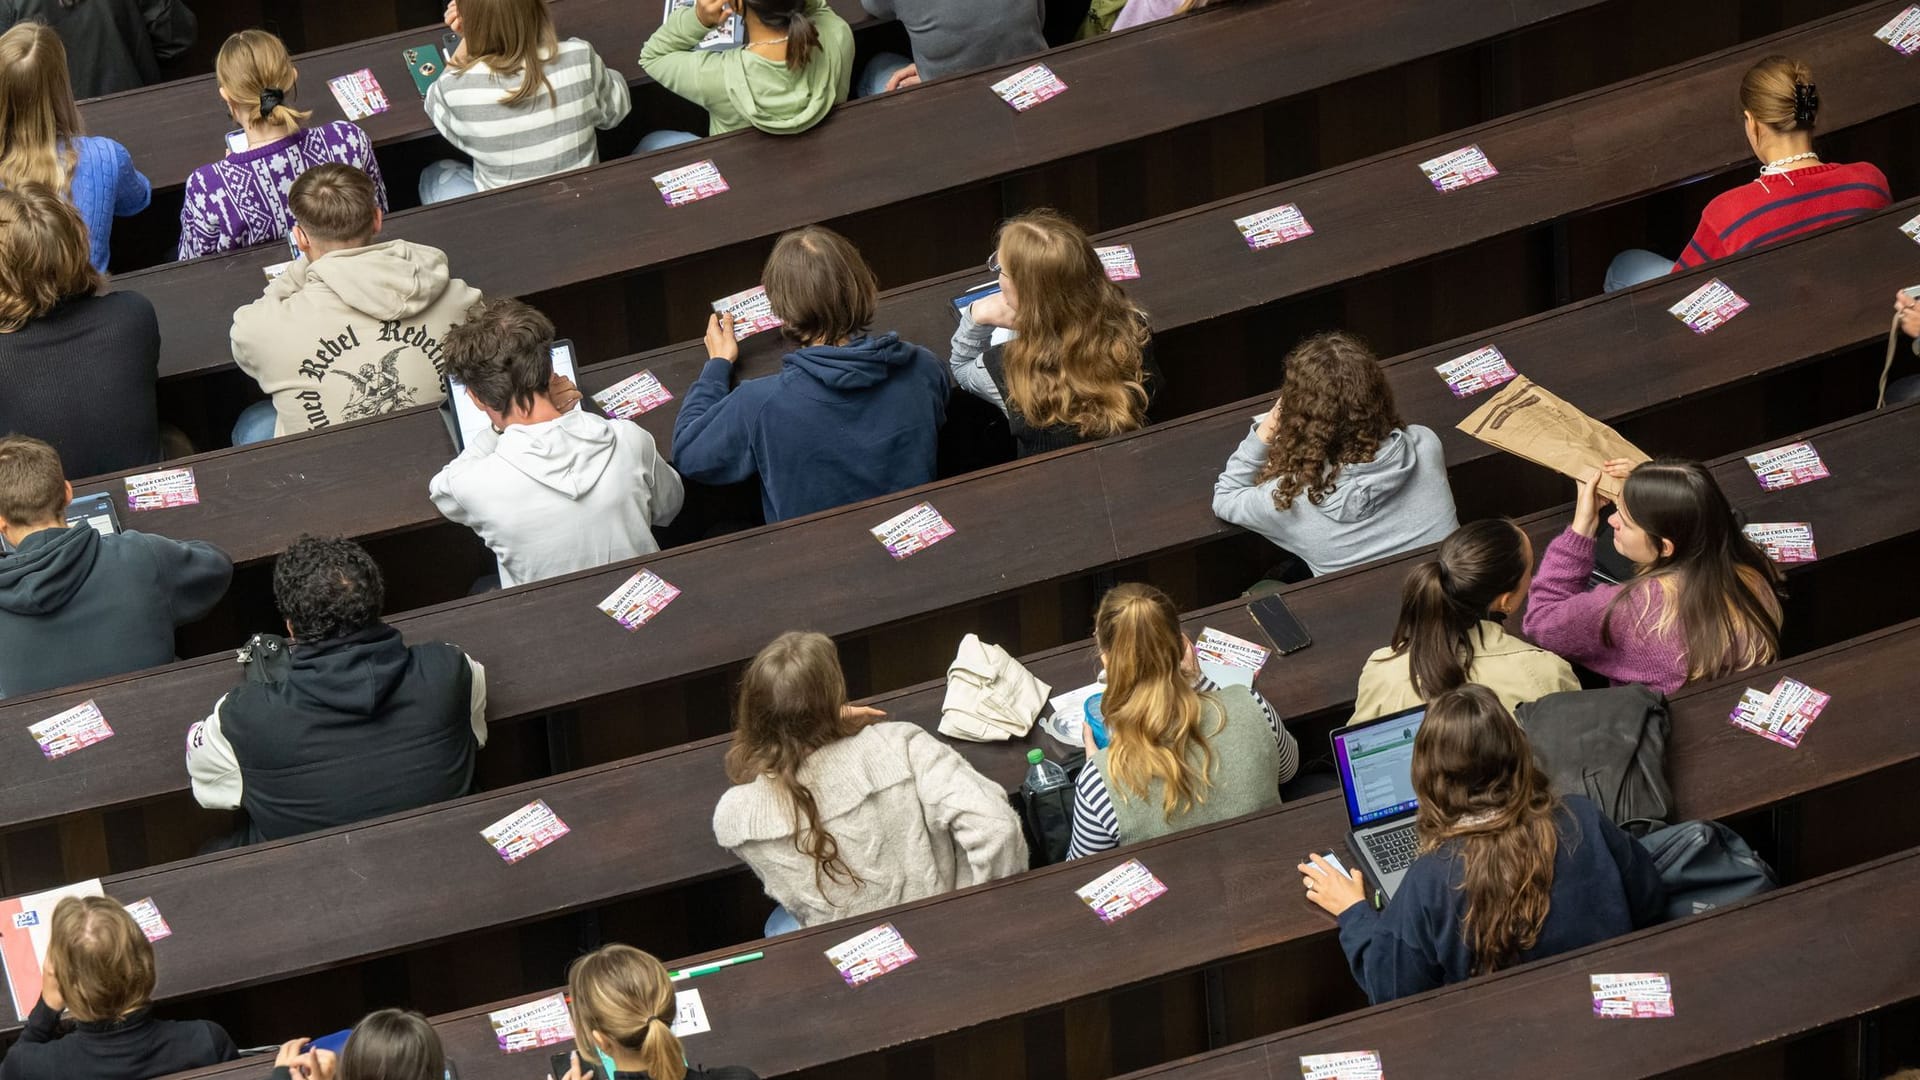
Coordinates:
[1609,745]
[1047,818]
[1704,864]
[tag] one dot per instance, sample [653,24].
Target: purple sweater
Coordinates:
[241,200]
[1563,615]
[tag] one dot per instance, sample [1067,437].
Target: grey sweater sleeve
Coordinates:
[969,345]
[1239,500]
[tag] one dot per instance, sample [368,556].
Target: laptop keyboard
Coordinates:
[1393,851]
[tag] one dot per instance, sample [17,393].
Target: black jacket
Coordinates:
[332,732]
[112,45]
[75,605]
[136,1048]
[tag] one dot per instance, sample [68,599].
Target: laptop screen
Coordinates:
[1376,766]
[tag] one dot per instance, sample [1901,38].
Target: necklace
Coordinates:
[781,40]
[1773,167]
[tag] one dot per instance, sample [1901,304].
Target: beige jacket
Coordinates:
[910,816]
[1510,667]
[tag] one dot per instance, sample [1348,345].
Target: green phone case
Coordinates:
[424,64]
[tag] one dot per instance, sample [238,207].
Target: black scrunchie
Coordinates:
[1806,102]
[270,99]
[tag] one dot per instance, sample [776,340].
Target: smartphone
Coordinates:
[424,63]
[978,292]
[560,1063]
[236,141]
[1283,628]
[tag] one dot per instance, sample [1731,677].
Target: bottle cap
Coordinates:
[1036,756]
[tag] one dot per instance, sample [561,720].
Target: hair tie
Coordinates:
[1806,102]
[270,99]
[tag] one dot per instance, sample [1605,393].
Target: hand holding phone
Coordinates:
[237,142]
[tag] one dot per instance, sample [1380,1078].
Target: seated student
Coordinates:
[1142,12]
[849,417]
[80,368]
[99,968]
[1507,871]
[1331,473]
[840,813]
[241,200]
[353,329]
[391,1044]
[622,1006]
[1079,365]
[1181,752]
[517,100]
[1451,630]
[342,721]
[1908,308]
[42,140]
[76,605]
[558,489]
[796,66]
[952,36]
[1795,192]
[1704,601]
[112,45]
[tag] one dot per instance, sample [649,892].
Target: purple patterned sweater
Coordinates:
[1563,615]
[241,200]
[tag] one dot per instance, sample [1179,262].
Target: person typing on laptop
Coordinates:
[1506,871]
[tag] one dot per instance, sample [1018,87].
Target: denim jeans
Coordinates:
[873,79]
[780,922]
[1635,265]
[445,180]
[255,424]
[660,140]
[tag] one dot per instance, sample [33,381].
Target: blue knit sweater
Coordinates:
[105,186]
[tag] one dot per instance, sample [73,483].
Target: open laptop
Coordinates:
[1375,760]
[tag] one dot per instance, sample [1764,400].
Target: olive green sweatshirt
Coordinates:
[741,89]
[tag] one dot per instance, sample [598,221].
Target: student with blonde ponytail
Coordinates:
[42,140]
[840,812]
[1181,752]
[623,1006]
[1507,871]
[1451,631]
[241,200]
[796,65]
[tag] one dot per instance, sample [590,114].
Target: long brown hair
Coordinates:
[43,254]
[38,116]
[791,703]
[1336,409]
[1444,600]
[392,1044]
[1717,587]
[790,17]
[1779,92]
[1152,712]
[626,996]
[101,960]
[1483,796]
[1078,359]
[512,37]
[259,77]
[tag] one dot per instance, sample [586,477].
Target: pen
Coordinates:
[708,969]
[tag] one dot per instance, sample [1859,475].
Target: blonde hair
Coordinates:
[1779,92]
[512,37]
[38,116]
[1150,708]
[1079,357]
[43,254]
[626,996]
[99,957]
[254,69]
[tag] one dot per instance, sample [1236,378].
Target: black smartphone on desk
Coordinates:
[1282,626]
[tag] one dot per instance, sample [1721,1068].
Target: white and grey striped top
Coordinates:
[1096,827]
[540,137]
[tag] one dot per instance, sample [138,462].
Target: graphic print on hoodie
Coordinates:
[352,335]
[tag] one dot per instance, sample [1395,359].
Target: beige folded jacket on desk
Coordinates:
[990,696]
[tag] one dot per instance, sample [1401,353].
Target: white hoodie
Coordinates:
[564,495]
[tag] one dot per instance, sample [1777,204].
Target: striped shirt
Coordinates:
[539,137]
[1774,208]
[1096,827]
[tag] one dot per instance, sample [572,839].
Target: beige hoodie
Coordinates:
[352,335]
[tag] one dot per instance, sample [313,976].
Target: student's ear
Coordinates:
[379,219]
[1666,549]
[69,486]
[288,623]
[1505,602]
[604,1044]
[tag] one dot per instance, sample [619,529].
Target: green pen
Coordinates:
[708,969]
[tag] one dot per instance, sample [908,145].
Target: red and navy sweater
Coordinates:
[1773,208]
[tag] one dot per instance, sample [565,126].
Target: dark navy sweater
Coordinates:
[1604,885]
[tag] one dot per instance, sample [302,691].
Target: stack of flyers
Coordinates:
[525,831]
[148,917]
[1783,541]
[689,1014]
[1903,33]
[1708,307]
[1270,228]
[871,955]
[1912,229]
[633,396]
[1228,660]
[1349,1065]
[1462,168]
[690,183]
[163,489]
[1787,466]
[912,530]
[640,599]
[1119,262]
[751,310]
[359,94]
[1782,715]
[77,728]
[1481,369]
[1638,996]
[1125,888]
[1025,89]
[537,1023]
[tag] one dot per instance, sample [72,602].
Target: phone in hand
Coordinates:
[560,1064]
[978,292]
[1282,626]
[236,141]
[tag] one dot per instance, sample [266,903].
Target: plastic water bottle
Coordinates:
[1043,775]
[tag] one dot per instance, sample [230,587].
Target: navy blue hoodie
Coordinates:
[838,424]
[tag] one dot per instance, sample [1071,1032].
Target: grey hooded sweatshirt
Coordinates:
[1396,502]
[75,605]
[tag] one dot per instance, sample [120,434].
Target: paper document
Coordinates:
[1348,1065]
[1121,891]
[1528,421]
[870,955]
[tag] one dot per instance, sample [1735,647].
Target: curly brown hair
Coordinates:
[1337,408]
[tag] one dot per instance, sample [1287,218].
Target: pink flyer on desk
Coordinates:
[1121,891]
[691,183]
[1787,466]
[912,530]
[643,596]
[1269,228]
[1462,168]
[1709,307]
[75,729]
[545,1022]
[1637,996]
[1118,261]
[162,490]
[525,831]
[635,395]
[1025,89]
[870,955]
[1480,370]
